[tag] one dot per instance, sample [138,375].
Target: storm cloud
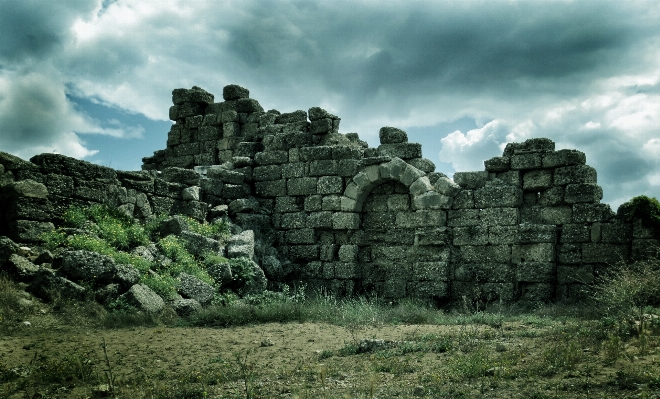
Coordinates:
[585,74]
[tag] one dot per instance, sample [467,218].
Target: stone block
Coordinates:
[348,167]
[347,152]
[484,272]
[569,253]
[526,161]
[313,203]
[392,135]
[331,203]
[575,233]
[497,164]
[421,218]
[296,220]
[379,220]
[235,191]
[269,172]
[271,157]
[397,202]
[471,235]
[485,254]
[430,271]
[564,158]
[495,292]
[420,186]
[401,150]
[583,192]
[320,220]
[575,175]
[471,180]
[499,235]
[297,169]
[645,248]
[435,290]
[28,230]
[316,153]
[446,186]
[324,167]
[273,188]
[143,298]
[537,180]
[589,213]
[346,270]
[604,253]
[345,221]
[465,217]
[551,197]
[288,204]
[330,185]
[498,216]
[432,200]
[348,253]
[196,95]
[432,236]
[248,105]
[498,197]
[511,177]
[321,126]
[543,252]
[290,117]
[423,164]
[303,252]
[300,236]
[234,92]
[194,122]
[393,169]
[535,233]
[410,174]
[535,272]
[617,233]
[348,204]
[537,292]
[530,146]
[302,186]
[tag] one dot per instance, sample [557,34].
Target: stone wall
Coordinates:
[343,217]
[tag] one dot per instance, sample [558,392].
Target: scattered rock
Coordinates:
[185,306]
[241,245]
[191,287]
[221,273]
[173,225]
[20,268]
[86,266]
[143,298]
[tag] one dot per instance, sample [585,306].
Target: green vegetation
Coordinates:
[111,232]
[644,208]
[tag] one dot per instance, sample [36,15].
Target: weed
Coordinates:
[612,349]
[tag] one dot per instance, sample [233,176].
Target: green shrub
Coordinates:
[644,208]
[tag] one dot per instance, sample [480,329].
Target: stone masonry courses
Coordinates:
[326,210]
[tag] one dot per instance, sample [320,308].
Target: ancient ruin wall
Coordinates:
[338,215]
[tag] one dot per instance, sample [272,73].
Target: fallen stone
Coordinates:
[20,268]
[186,306]
[191,287]
[86,266]
[143,298]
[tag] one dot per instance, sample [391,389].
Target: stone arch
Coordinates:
[396,208]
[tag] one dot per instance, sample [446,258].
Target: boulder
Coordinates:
[173,225]
[44,257]
[272,268]
[241,245]
[257,284]
[221,273]
[49,286]
[7,248]
[190,286]
[185,307]
[143,298]
[86,266]
[20,268]
[126,276]
[107,293]
[197,244]
[25,188]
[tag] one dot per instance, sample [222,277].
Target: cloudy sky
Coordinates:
[93,79]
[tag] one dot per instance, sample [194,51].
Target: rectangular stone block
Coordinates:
[321,220]
[288,204]
[497,164]
[575,175]
[583,192]
[543,252]
[435,271]
[269,172]
[485,254]
[302,186]
[345,220]
[471,180]
[379,220]
[29,230]
[617,233]
[526,161]
[471,235]
[313,203]
[465,217]
[574,233]
[421,218]
[273,188]
[498,197]
[303,252]
[589,213]
[495,292]
[499,235]
[537,180]
[536,272]
[209,133]
[498,216]
[271,157]
[346,270]
[432,200]
[231,129]
[551,197]
[298,169]
[331,203]
[347,152]
[404,151]
[348,167]
[429,289]
[484,272]
[432,236]
[511,177]
[569,253]
[315,153]
[604,253]
[463,200]
[325,167]
[235,191]
[564,158]
[535,233]
[300,236]
[348,253]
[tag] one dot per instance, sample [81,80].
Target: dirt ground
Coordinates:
[287,361]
